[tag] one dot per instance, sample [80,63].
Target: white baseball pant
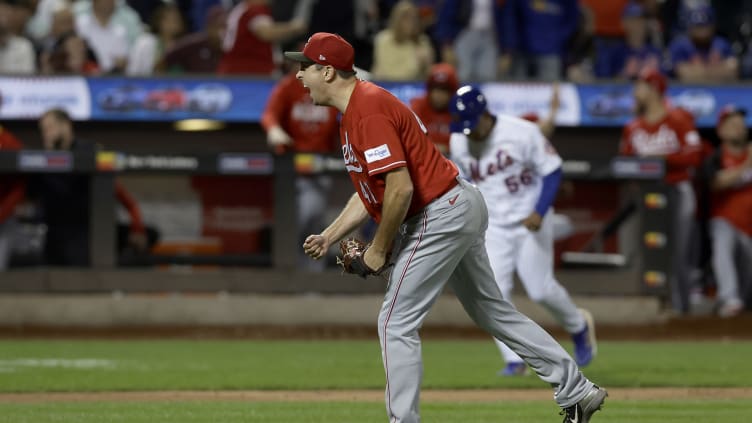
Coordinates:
[530,254]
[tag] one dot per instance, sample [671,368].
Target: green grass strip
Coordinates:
[33,366]
[727,411]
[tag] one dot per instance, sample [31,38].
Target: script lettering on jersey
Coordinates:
[503,160]
[351,162]
[307,112]
[665,141]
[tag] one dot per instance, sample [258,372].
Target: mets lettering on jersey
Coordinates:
[507,167]
[503,160]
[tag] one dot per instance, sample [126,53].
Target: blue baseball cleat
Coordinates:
[585,346]
[514,368]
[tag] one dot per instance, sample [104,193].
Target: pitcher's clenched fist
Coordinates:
[316,246]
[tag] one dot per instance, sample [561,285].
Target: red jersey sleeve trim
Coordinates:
[400,163]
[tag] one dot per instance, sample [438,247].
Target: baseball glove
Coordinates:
[351,258]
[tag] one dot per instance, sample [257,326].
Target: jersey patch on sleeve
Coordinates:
[377,153]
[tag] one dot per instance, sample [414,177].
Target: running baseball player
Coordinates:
[518,172]
[432,225]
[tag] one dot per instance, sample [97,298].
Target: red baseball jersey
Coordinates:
[734,204]
[436,121]
[674,137]
[12,187]
[312,128]
[244,52]
[379,133]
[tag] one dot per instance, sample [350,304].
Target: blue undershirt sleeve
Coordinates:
[548,191]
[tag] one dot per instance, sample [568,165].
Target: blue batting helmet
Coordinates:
[466,108]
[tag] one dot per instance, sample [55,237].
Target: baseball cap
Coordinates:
[443,75]
[700,16]
[654,78]
[326,49]
[729,110]
[633,10]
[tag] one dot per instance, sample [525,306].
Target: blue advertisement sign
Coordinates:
[613,105]
[174,99]
[405,91]
[241,100]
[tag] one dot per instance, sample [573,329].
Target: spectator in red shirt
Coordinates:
[294,123]
[12,189]
[729,172]
[433,108]
[249,42]
[660,131]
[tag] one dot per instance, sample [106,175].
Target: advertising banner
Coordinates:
[613,104]
[519,99]
[239,100]
[28,98]
[137,99]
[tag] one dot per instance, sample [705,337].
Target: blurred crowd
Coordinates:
[576,40]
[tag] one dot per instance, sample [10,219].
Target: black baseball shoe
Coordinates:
[583,410]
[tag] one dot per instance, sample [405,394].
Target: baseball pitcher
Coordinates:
[430,232]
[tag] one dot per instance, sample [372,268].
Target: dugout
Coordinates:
[157,163]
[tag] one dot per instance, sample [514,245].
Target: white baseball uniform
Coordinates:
[508,168]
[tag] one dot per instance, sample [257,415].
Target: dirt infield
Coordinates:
[485,395]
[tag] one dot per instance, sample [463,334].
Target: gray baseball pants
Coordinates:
[445,242]
[683,220]
[728,244]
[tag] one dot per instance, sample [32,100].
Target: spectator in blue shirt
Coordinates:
[535,35]
[700,55]
[636,54]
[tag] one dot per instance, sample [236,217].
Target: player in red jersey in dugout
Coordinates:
[669,133]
